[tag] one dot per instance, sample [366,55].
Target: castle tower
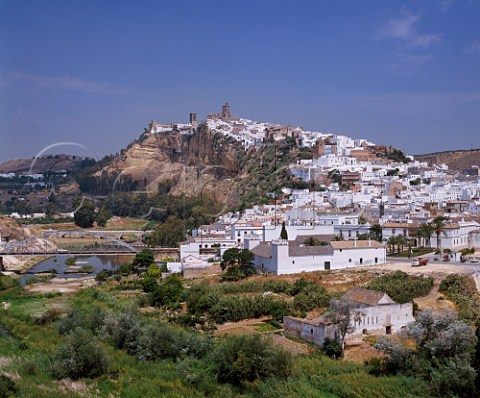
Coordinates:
[226,110]
[193,120]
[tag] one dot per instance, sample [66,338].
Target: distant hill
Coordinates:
[41,164]
[455,160]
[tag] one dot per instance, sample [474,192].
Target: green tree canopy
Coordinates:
[84,216]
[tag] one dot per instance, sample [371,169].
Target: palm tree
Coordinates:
[438,224]
[392,242]
[401,242]
[425,232]
[376,232]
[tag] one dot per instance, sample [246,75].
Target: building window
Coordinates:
[349,260]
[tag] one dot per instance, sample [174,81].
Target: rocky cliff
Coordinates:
[194,163]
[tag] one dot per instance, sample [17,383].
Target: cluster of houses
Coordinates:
[368,313]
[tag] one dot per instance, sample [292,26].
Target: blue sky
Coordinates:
[405,73]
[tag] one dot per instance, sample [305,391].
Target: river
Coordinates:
[57,263]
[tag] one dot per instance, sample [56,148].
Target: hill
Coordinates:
[55,163]
[201,162]
[455,160]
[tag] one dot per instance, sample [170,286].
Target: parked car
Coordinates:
[473,260]
[419,261]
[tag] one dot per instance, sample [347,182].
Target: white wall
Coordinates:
[344,258]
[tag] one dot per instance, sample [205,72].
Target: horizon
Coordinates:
[95,74]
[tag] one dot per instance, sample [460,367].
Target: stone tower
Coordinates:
[226,110]
[193,120]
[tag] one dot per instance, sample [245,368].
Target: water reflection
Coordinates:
[63,270]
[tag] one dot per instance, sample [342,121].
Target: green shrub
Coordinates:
[70,261]
[163,341]
[401,287]
[49,316]
[74,319]
[7,387]
[250,357]
[6,282]
[80,356]
[168,293]
[149,284]
[332,348]
[310,297]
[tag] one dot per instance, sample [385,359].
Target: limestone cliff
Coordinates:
[195,163]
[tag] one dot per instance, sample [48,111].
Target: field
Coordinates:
[34,317]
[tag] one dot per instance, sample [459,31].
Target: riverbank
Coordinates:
[21,264]
[60,285]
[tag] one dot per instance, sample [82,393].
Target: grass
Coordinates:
[263,327]
[125,224]
[29,354]
[415,253]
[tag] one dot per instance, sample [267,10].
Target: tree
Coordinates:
[169,292]
[425,233]
[84,216]
[80,356]
[250,357]
[376,231]
[170,233]
[144,259]
[284,233]
[102,217]
[238,264]
[341,313]
[439,224]
[441,353]
[362,220]
[312,241]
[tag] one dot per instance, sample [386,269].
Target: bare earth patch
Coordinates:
[61,285]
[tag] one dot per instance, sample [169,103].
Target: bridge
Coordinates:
[97,243]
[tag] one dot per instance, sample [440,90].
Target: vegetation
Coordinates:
[70,261]
[438,225]
[376,231]
[80,356]
[158,353]
[283,232]
[6,281]
[402,287]
[312,241]
[461,290]
[84,215]
[238,264]
[248,358]
[441,354]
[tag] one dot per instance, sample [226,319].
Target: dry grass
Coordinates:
[361,353]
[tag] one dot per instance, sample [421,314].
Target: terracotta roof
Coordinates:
[312,321]
[365,296]
[452,226]
[351,244]
[400,225]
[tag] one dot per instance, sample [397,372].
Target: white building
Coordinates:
[291,257]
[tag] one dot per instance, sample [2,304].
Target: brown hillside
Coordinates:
[455,160]
[47,163]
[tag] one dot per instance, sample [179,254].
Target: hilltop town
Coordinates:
[296,240]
